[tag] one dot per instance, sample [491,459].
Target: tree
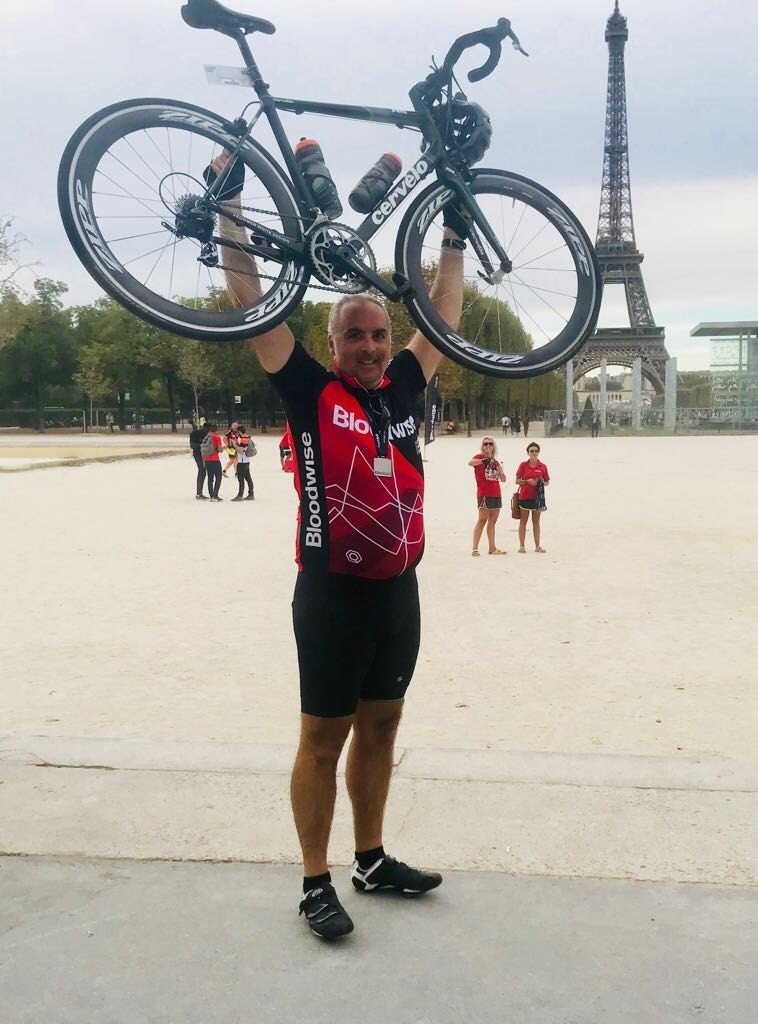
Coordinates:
[196,368]
[10,244]
[90,377]
[13,306]
[123,345]
[237,372]
[585,419]
[13,313]
[165,353]
[40,354]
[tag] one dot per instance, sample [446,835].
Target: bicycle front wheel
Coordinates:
[126,176]
[516,322]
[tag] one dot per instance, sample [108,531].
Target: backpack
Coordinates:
[208,446]
[251,450]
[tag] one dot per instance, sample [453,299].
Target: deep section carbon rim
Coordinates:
[125,177]
[518,322]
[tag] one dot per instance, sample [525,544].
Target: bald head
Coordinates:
[336,312]
[360,338]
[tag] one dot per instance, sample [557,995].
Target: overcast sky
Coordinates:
[692,91]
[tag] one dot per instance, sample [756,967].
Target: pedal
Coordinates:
[403,286]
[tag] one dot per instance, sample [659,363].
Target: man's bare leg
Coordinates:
[369,767]
[314,785]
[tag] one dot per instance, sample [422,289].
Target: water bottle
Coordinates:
[376,183]
[311,160]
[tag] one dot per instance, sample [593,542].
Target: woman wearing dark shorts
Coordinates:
[489,475]
[532,478]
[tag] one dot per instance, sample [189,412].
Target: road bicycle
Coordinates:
[151,230]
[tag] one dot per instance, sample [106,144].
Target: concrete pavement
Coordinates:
[591,816]
[104,942]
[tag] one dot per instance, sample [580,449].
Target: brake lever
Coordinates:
[504,30]
[516,44]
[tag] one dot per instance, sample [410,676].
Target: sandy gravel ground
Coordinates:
[131,611]
[20,450]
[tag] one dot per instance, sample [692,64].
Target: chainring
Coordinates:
[329,244]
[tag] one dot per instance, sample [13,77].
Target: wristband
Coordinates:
[453,243]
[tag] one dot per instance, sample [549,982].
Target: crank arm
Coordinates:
[372,278]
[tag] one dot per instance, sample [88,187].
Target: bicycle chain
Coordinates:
[270,277]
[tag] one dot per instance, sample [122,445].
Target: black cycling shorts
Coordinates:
[357,639]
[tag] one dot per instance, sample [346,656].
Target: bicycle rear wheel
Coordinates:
[518,323]
[123,177]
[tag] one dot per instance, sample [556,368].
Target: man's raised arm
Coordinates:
[243,283]
[447,295]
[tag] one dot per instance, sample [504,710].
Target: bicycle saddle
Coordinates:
[212,14]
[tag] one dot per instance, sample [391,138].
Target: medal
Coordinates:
[382,466]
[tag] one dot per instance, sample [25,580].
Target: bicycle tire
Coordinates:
[81,162]
[581,310]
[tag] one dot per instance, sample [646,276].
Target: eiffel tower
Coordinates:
[617,251]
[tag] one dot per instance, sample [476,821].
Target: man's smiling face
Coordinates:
[361,341]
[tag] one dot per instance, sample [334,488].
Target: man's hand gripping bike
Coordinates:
[165,244]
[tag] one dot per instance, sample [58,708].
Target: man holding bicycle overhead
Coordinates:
[360,536]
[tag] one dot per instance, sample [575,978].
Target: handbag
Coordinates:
[515,509]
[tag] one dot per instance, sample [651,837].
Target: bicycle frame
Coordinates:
[401,119]
[433,159]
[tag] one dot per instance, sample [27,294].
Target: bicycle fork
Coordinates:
[479,223]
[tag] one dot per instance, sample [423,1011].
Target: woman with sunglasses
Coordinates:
[532,478]
[489,475]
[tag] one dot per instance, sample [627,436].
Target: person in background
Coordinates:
[489,474]
[247,451]
[595,424]
[525,422]
[196,438]
[212,445]
[232,439]
[506,422]
[286,457]
[109,421]
[532,478]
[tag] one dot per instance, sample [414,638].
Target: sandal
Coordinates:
[497,551]
[522,551]
[475,553]
[540,551]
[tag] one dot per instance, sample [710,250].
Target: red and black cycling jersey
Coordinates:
[350,519]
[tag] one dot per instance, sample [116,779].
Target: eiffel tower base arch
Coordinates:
[620,347]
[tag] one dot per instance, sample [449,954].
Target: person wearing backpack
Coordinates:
[232,441]
[246,451]
[196,438]
[211,445]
